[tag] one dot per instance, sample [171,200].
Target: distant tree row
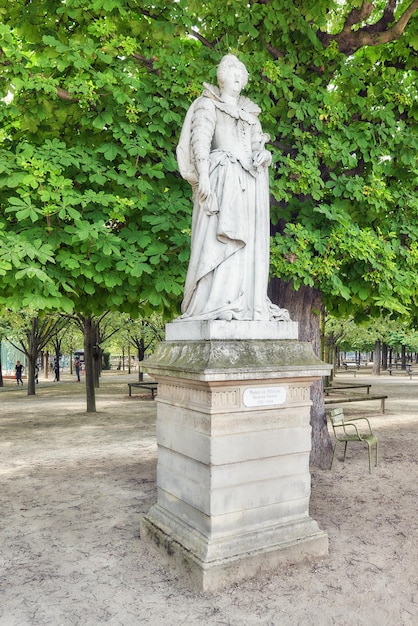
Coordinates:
[52,335]
[387,341]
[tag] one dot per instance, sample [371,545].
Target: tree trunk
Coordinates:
[305,307]
[96,352]
[31,375]
[337,359]
[385,356]
[1,370]
[377,358]
[403,357]
[88,364]
[46,364]
[141,356]
[96,365]
[32,355]
[57,371]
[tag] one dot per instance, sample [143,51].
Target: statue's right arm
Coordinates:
[203,127]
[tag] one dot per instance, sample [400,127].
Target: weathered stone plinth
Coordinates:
[233,475]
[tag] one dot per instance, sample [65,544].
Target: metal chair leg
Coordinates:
[345,450]
[333,454]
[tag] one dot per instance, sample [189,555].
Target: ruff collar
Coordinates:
[244,108]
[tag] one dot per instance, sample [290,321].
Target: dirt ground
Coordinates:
[74,486]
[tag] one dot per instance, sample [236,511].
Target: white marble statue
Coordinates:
[222,154]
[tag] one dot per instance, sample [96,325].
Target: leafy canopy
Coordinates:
[93,212]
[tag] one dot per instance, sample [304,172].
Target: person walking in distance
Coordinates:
[19,372]
[56,370]
[77,367]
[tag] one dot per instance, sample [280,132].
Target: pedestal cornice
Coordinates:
[235,360]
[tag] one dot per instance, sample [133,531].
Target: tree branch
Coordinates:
[65,95]
[349,41]
[1,55]
[203,40]
[192,32]
[386,19]
[274,51]
[358,15]
[149,63]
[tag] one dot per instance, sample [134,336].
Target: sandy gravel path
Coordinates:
[74,486]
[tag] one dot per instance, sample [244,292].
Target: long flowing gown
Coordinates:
[229,264]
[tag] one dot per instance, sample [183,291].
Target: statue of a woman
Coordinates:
[222,154]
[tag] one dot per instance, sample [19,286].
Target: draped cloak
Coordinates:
[229,263]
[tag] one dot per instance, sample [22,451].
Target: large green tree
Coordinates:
[94,215]
[87,222]
[31,333]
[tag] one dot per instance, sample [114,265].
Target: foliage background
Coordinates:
[93,213]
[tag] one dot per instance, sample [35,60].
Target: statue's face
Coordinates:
[233,80]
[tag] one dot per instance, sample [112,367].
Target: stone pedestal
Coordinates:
[233,439]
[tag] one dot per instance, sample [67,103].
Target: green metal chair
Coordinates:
[347,430]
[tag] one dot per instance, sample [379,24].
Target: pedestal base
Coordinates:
[234,439]
[308,542]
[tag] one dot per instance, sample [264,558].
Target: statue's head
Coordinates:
[231,62]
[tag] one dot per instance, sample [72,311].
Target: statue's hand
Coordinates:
[204,187]
[210,205]
[263,157]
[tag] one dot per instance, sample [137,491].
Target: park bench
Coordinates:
[353,364]
[399,366]
[348,364]
[398,369]
[358,398]
[150,385]
[341,387]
